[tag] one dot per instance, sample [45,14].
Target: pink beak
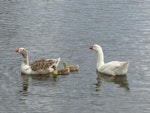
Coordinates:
[17,50]
[91,47]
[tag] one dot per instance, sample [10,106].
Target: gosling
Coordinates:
[64,71]
[71,67]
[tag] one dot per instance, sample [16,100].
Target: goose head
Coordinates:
[95,47]
[22,51]
[64,64]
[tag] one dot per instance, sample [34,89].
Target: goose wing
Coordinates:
[112,66]
[42,64]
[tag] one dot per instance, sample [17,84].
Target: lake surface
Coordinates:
[66,29]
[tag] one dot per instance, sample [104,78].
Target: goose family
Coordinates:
[46,66]
[41,66]
[111,68]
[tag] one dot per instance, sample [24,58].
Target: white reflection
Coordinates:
[120,80]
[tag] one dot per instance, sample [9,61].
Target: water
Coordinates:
[66,29]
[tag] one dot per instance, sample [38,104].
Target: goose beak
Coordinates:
[17,50]
[91,47]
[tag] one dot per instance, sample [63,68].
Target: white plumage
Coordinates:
[110,68]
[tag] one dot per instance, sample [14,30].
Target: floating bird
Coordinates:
[110,68]
[41,66]
[71,67]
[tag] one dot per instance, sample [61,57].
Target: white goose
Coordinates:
[42,66]
[110,68]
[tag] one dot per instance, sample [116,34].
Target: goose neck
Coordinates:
[100,59]
[26,60]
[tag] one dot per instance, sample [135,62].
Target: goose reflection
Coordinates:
[50,77]
[120,80]
[40,77]
[25,82]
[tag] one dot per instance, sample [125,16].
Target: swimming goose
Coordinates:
[42,66]
[110,68]
[71,67]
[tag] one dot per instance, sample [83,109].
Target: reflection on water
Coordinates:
[25,82]
[50,77]
[120,80]
[26,78]
[25,86]
[40,77]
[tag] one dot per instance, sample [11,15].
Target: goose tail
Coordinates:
[58,61]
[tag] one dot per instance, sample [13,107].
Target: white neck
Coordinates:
[100,59]
[25,67]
